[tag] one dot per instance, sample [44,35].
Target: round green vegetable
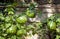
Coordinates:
[22,19]
[7,25]
[51,25]
[30,13]
[11,30]
[7,19]
[11,12]
[21,32]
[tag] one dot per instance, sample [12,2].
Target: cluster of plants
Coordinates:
[16,26]
[53,24]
